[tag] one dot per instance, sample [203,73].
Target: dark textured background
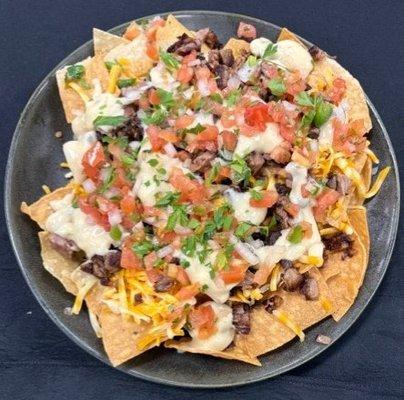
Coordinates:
[37,361]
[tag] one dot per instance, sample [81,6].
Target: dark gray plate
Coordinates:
[33,161]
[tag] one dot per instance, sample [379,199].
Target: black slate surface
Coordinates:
[38,362]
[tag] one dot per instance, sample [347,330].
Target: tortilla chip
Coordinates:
[233,353]
[120,336]
[358,219]
[105,41]
[57,265]
[363,165]
[169,33]
[41,209]
[345,277]
[71,101]
[357,108]
[286,34]
[238,46]
[268,333]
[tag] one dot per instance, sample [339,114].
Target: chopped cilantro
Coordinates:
[110,64]
[193,224]
[217,98]
[74,72]
[255,195]
[123,83]
[115,233]
[167,199]
[169,60]
[277,86]
[252,61]
[153,162]
[204,288]
[108,180]
[242,230]
[189,246]
[296,235]
[166,98]
[184,263]
[307,119]
[142,249]
[156,117]
[233,97]
[127,159]
[323,112]
[198,128]
[270,50]
[104,120]
[241,171]
[179,215]
[304,99]
[213,174]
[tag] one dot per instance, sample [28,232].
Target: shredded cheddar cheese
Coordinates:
[113,78]
[76,87]
[378,182]
[287,321]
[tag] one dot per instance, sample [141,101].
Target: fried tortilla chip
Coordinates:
[286,34]
[344,277]
[120,336]
[169,33]
[268,333]
[358,218]
[57,265]
[105,41]
[238,46]
[73,102]
[232,353]
[41,209]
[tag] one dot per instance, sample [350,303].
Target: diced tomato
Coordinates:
[132,32]
[184,121]
[324,200]
[187,292]
[337,91]
[129,260]
[152,29]
[128,204]
[292,209]
[185,74]
[287,132]
[262,274]
[228,119]
[127,222]
[150,260]
[166,237]
[202,73]
[224,171]
[153,97]
[144,102]
[257,116]
[190,190]
[94,213]
[210,133]
[151,51]
[202,319]
[93,160]
[229,140]
[157,143]
[169,136]
[294,83]
[182,276]
[269,198]
[121,180]
[234,274]
[104,205]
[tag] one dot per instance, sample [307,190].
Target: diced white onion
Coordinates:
[170,149]
[114,217]
[256,243]
[89,185]
[203,88]
[233,82]
[245,251]
[165,251]
[134,145]
[182,230]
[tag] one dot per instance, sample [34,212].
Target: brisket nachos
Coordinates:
[216,195]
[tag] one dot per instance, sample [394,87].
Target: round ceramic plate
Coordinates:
[34,158]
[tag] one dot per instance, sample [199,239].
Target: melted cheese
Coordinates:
[74,151]
[149,181]
[101,104]
[242,209]
[326,135]
[262,142]
[162,79]
[259,45]
[225,331]
[199,273]
[294,57]
[133,51]
[71,223]
[299,179]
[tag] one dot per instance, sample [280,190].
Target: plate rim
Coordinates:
[102,357]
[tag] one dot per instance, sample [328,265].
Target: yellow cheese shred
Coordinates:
[326,304]
[378,182]
[275,278]
[78,302]
[287,321]
[113,78]
[372,156]
[46,189]
[76,87]
[352,174]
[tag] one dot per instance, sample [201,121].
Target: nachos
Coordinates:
[215,199]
